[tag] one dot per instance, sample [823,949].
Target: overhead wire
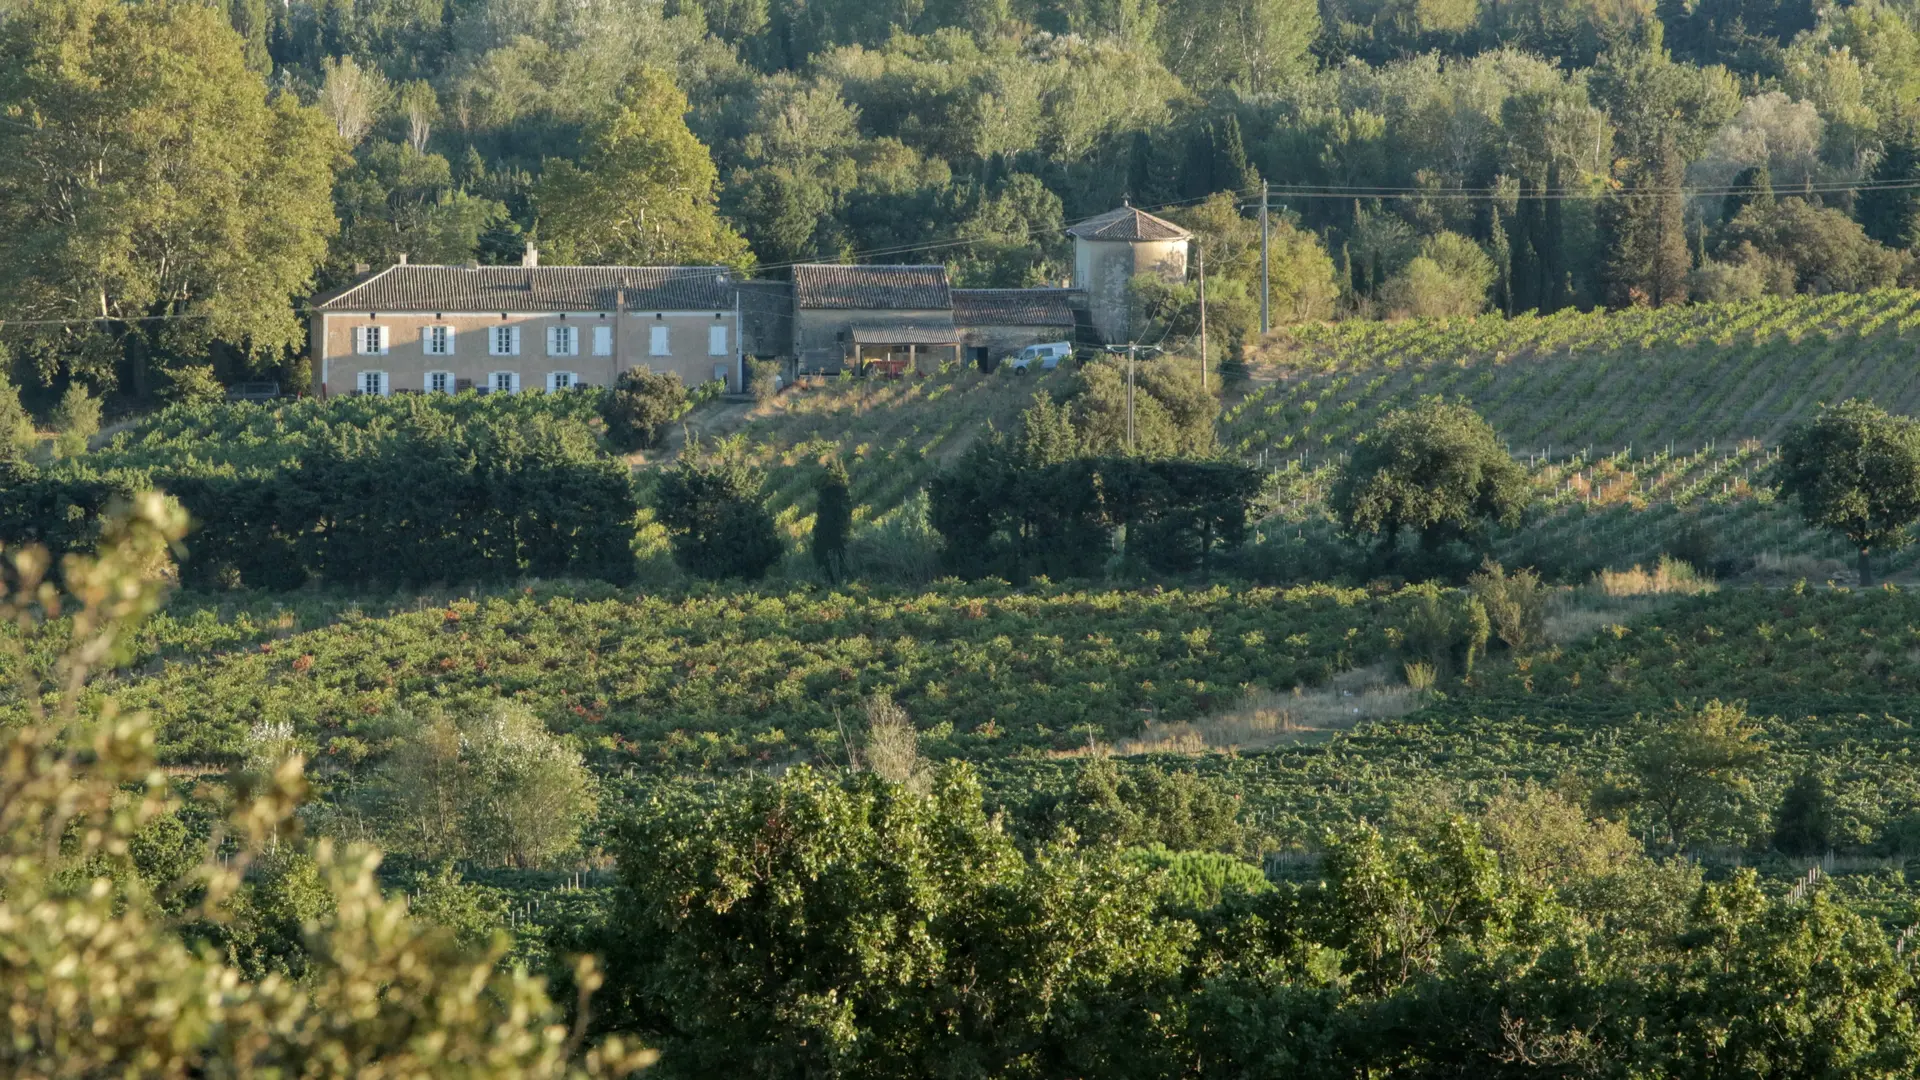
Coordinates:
[1281,192]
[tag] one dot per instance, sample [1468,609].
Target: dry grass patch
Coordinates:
[1267,718]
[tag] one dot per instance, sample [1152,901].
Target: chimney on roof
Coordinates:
[403,258]
[362,268]
[532,256]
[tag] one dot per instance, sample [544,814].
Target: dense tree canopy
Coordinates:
[1856,470]
[146,172]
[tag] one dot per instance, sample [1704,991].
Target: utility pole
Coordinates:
[1132,351]
[1200,254]
[1265,291]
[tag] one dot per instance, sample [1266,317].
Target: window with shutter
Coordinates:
[438,340]
[657,342]
[500,341]
[373,383]
[603,341]
[439,382]
[716,341]
[560,380]
[504,382]
[562,341]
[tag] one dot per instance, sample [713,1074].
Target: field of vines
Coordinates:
[1830,679]
[895,434]
[729,679]
[1639,425]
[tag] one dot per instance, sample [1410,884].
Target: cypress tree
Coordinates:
[1647,232]
[832,521]
[1753,186]
[1502,262]
[1891,215]
[1526,290]
[1231,169]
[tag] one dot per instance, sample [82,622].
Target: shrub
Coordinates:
[77,419]
[640,406]
[1516,605]
[494,786]
[194,384]
[1437,469]
[715,519]
[763,379]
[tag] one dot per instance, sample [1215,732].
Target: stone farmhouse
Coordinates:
[412,328]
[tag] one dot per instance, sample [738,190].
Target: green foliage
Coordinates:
[712,509]
[194,384]
[493,786]
[99,979]
[1856,470]
[1450,276]
[832,521]
[417,496]
[159,177]
[16,426]
[1515,604]
[996,514]
[1437,469]
[1196,881]
[1146,807]
[640,406]
[1693,776]
[1803,825]
[644,192]
[77,419]
[691,691]
[763,379]
[808,924]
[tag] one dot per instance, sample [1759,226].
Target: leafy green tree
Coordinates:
[1450,276]
[1855,470]
[712,509]
[397,200]
[832,521]
[156,176]
[493,786]
[194,384]
[1437,469]
[1694,775]
[639,407]
[645,191]
[809,925]
[1516,604]
[77,419]
[1172,416]
[1753,185]
[1815,248]
[1140,807]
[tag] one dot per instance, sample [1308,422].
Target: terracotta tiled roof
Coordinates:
[901,288]
[1016,307]
[905,335]
[1128,223]
[539,288]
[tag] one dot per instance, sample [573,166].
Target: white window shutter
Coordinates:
[449,351]
[381,331]
[717,341]
[516,380]
[603,341]
[658,342]
[553,341]
[513,338]
[360,340]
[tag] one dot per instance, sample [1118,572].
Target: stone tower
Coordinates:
[1109,251]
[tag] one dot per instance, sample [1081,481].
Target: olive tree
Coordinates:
[1855,470]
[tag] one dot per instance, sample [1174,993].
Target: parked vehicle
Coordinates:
[1048,356]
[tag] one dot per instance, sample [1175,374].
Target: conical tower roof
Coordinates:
[1128,224]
